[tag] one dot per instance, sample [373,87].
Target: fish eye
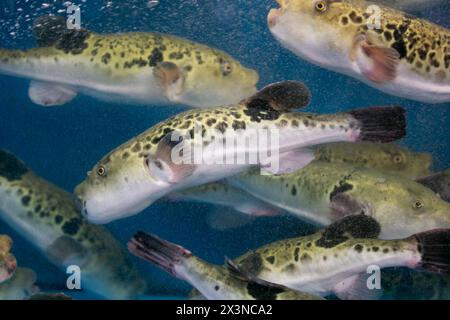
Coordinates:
[226,68]
[398,159]
[418,204]
[101,171]
[321,6]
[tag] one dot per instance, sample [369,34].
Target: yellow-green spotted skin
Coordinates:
[137,68]
[49,219]
[122,183]
[387,158]
[402,55]
[317,264]
[218,283]
[324,192]
[20,286]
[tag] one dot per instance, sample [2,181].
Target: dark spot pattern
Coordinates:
[72,226]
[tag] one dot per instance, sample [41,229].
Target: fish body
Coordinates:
[323,193]
[142,170]
[8,263]
[387,49]
[333,260]
[20,286]
[50,220]
[138,68]
[214,282]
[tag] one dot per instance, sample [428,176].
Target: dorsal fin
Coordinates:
[355,226]
[49,29]
[281,96]
[11,167]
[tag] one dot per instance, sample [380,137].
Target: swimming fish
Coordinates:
[8,263]
[335,260]
[138,68]
[49,219]
[439,183]
[145,169]
[388,158]
[323,193]
[387,49]
[20,286]
[212,281]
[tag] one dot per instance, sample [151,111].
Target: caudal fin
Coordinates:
[381,124]
[434,247]
[162,253]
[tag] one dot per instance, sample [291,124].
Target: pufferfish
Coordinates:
[136,68]
[392,51]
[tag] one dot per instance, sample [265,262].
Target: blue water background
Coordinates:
[62,144]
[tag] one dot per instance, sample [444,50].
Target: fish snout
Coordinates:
[80,202]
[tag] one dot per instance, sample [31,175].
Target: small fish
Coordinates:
[388,158]
[20,286]
[138,68]
[396,53]
[323,193]
[49,218]
[212,281]
[8,263]
[439,183]
[336,259]
[143,170]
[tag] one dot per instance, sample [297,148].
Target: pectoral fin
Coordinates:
[49,94]
[172,162]
[378,64]
[357,288]
[170,78]
[289,162]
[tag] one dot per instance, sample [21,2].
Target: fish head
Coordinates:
[395,159]
[119,186]
[218,80]
[319,31]
[405,207]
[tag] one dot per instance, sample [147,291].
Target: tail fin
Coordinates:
[164,254]
[434,247]
[381,124]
